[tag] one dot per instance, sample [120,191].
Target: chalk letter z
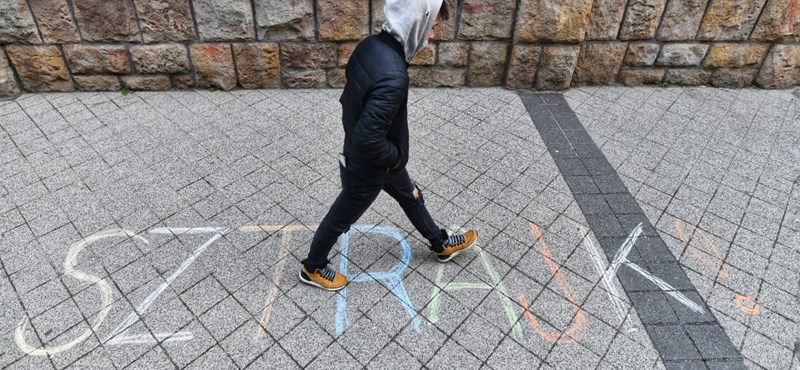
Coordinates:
[118,335]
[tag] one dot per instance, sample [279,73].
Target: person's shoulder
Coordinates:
[375,55]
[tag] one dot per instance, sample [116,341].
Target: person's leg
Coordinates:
[410,198]
[445,247]
[356,196]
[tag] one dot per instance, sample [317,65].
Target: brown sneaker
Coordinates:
[455,244]
[324,278]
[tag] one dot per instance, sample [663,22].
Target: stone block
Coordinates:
[729,19]
[213,65]
[305,78]
[598,64]
[556,67]
[781,68]
[345,50]
[682,20]
[8,84]
[734,78]
[487,63]
[605,19]
[258,65]
[182,81]
[106,20]
[735,55]
[16,23]
[437,76]
[305,55]
[780,21]
[445,31]
[167,58]
[342,20]
[97,83]
[522,68]
[224,20]
[40,68]
[641,19]
[55,21]
[378,17]
[97,59]
[638,77]
[453,54]
[552,21]
[336,77]
[165,20]
[486,19]
[682,55]
[151,83]
[688,77]
[641,54]
[426,56]
[285,20]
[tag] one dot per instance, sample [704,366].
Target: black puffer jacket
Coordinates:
[374,112]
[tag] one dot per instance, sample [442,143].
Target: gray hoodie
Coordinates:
[410,22]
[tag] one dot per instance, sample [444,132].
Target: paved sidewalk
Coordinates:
[165,230]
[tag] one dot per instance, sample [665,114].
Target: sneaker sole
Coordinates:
[312,283]
[449,257]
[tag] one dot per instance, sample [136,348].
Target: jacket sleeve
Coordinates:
[370,132]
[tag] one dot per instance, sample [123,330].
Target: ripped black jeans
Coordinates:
[358,193]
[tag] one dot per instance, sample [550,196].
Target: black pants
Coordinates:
[358,193]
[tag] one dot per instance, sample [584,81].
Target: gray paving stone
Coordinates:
[673,343]
[274,358]
[624,351]
[43,298]
[203,295]
[451,354]
[224,318]
[302,347]
[364,339]
[765,352]
[214,358]
[575,356]
[685,365]
[65,317]
[726,365]
[653,307]
[711,341]
[390,356]
[478,337]
[593,204]
[156,356]
[245,345]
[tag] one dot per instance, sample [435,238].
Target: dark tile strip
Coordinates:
[682,337]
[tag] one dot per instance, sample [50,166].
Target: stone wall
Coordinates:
[65,45]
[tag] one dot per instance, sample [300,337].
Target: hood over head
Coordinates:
[410,22]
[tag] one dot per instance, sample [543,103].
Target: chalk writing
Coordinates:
[118,335]
[286,238]
[392,279]
[717,266]
[497,283]
[608,283]
[621,257]
[69,270]
[747,304]
[743,302]
[577,330]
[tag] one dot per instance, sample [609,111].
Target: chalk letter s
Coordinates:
[69,269]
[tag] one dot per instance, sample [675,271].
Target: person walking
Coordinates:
[376,149]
